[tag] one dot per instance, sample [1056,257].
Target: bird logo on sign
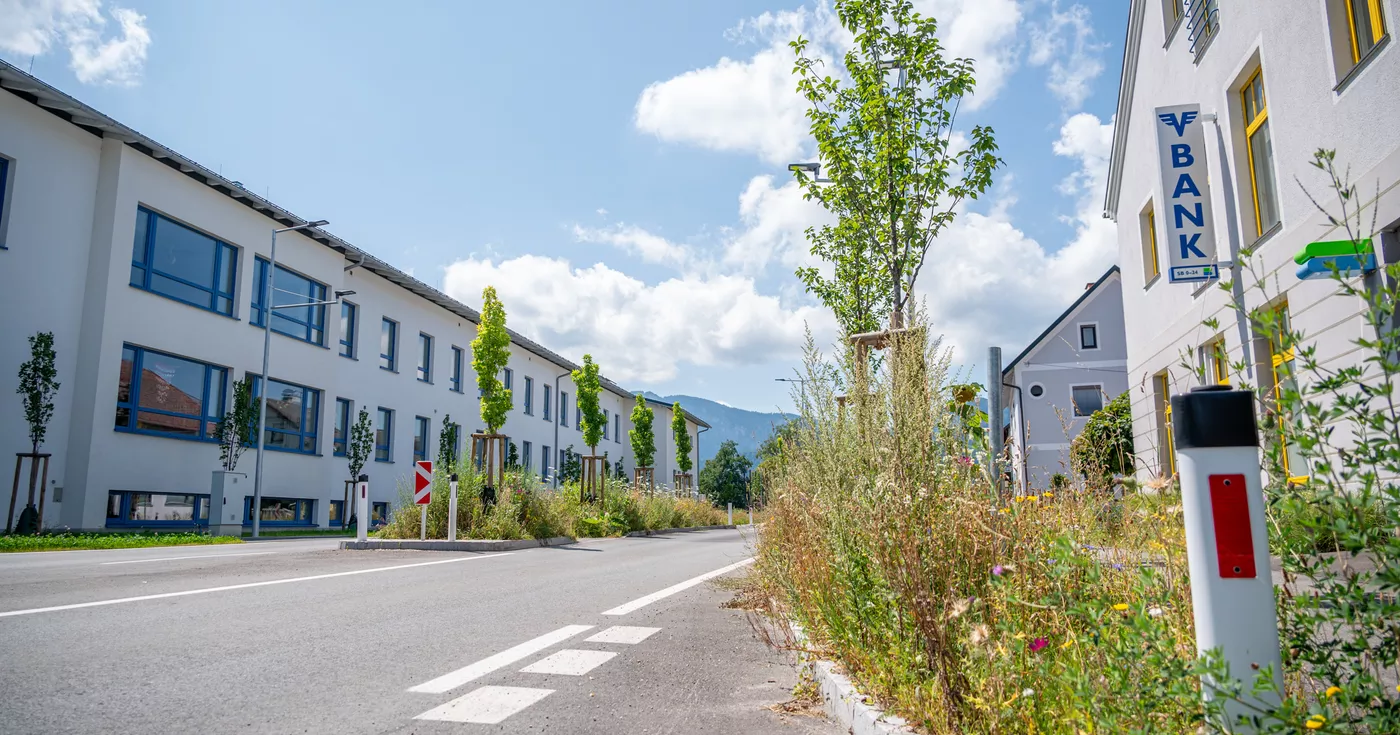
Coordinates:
[423,482]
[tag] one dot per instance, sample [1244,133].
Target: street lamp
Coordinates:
[790,380]
[815,169]
[267,348]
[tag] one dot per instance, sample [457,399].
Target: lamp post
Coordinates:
[561,409]
[268,308]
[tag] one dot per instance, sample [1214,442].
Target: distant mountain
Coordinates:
[748,429]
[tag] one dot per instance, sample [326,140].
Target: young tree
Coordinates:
[490,354]
[572,469]
[512,457]
[643,433]
[587,385]
[725,478]
[884,132]
[682,438]
[357,450]
[37,386]
[447,444]
[238,429]
[618,470]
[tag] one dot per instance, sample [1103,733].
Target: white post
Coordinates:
[452,509]
[750,515]
[423,524]
[1227,544]
[731,514]
[362,506]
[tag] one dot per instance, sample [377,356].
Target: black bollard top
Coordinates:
[1214,416]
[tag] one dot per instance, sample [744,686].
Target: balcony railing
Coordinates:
[1202,23]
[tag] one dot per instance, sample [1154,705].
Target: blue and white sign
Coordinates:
[1181,149]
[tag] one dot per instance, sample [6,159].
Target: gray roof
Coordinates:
[1093,287]
[32,89]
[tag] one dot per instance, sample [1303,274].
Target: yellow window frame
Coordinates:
[1152,241]
[1373,9]
[1164,388]
[1282,360]
[1256,113]
[1177,10]
[1220,362]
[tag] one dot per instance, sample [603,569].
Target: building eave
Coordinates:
[1132,44]
[1064,315]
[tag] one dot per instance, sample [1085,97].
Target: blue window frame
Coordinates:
[336,516]
[165,510]
[307,323]
[281,512]
[563,408]
[529,396]
[4,181]
[544,461]
[546,404]
[617,428]
[578,417]
[425,357]
[384,436]
[342,426]
[349,324]
[420,438]
[458,358]
[166,395]
[389,345]
[508,379]
[379,513]
[606,417]
[179,263]
[293,413]
[525,455]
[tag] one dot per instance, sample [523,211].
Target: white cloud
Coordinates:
[775,220]
[983,30]
[602,212]
[1065,42]
[634,240]
[639,332]
[33,27]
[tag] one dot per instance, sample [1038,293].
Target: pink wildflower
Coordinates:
[1038,644]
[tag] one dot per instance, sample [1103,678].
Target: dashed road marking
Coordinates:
[570,662]
[628,634]
[642,602]
[488,705]
[448,682]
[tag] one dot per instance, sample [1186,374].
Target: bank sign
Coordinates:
[1181,151]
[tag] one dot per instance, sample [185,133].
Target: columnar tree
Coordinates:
[357,449]
[238,429]
[678,429]
[490,354]
[643,436]
[592,421]
[893,175]
[37,385]
[447,444]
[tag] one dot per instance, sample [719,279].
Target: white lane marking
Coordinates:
[569,662]
[448,682]
[628,634]
[489,705]
[118,601]
[177,558]
[642,602]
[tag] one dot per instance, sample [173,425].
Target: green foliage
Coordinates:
[587,386]
[895,179]
[682,436]
[512,457]
[447,445]
[357,450]
[238,428]
[490,354]
[771,458]
[70,541]
[962,403]
[572,470]
[643,433]
[725,478]
[1104,447]
[37,385]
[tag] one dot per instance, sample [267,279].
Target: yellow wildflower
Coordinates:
[1034,498]
[1068,642]
[1315,722]
[1333,691]
[1120,607]
[1048,494]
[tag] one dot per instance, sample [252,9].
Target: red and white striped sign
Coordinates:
[423,482]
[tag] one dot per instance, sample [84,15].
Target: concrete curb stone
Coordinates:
[678,530]
[467,545]
[841,700]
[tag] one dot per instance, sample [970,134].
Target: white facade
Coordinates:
[75,181]
[1076,366]
[1317,95]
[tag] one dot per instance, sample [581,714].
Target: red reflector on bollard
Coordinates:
[1234,541]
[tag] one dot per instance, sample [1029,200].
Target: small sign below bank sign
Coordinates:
[1181,153]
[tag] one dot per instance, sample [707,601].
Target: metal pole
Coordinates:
[262,392]
[994,415]
[423,523]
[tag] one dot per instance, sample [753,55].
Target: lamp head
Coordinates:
[341,294]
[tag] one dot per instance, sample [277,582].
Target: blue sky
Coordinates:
[615,169]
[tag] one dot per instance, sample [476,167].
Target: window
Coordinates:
[1284,383]
[544,461]
[336,516]
[508,379]
[425,358]
[617,428]
[605,423]
[1263,185]
[342,427]
[1087,399]
[1366,27]
[563,459]
[420,438]
[525,451]
[389,345]
[281,511]
[529,396]
[177,262]
[4,181]
[384,436]
[292,415]
[170,396]
[578,417]
[307,323]
[1150,267]
[1088,336]
[156,509]
[458,357]
[1218,359]
[349,321]
[1037,390]
[546,402]
[563,408]
[1202,23]
[1167,445]
[379,512]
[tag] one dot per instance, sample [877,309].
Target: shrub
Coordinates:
[1104,447]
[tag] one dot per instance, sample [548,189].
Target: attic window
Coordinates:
[1088,336]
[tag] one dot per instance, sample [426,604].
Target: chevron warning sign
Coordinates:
[423,482]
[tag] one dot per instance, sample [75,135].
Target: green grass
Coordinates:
[303,532]
[71,541]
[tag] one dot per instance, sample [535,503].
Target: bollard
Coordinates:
[1227,545]
[731,514]
[362,504]
[751,516]
[452,508]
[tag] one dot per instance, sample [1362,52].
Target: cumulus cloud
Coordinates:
[634,240]
[34,27]
[640,332]
[1065,43]
[984,30]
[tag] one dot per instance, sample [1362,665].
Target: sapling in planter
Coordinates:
[37,385]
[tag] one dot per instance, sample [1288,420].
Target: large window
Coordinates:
[177,262]
[384,436]
[389,345]
[342,426]
[526,449]
[1366,27]
[156,509]
[547,397]
[578,417]
[281,511]
[458,359]
[336,516]
[4,187]
[1284,383]
[1218,360]
[1087,399]
[1161,385]
[1150,267]
[293,413]
[617,428]
[379,512]
[544,461]
[529,396]
[349,323]
[563,408]
[606,415]
[1263,185]
[425,357]
[167,395]
[508,379]
[306,323]
[420,438]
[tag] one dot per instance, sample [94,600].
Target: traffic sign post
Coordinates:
[1227,545]
[452,508]
[362,504]
[423,493]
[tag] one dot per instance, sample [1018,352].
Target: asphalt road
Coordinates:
[299,637]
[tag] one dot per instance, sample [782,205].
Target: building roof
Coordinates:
[692,417]
[82,115]
[1088,292]
[1126,83]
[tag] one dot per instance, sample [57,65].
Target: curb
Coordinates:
[440,545]
[678,530]
[842,702]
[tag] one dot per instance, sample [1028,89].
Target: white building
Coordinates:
[1281,80]
[1074,368]
[143,264]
